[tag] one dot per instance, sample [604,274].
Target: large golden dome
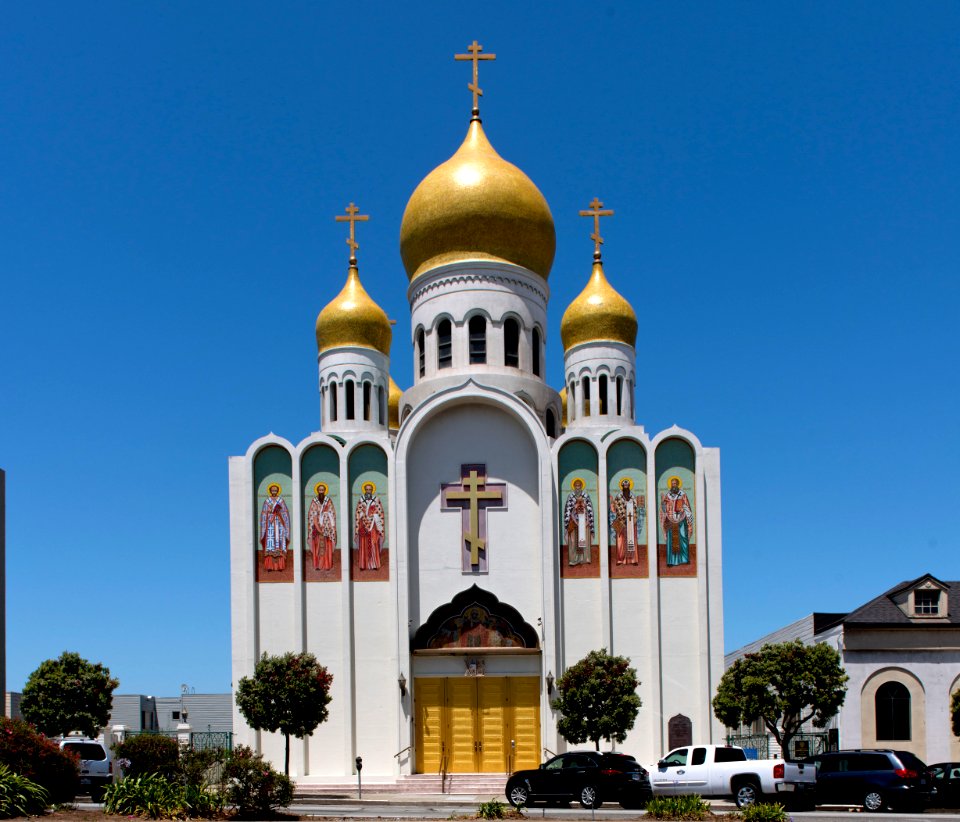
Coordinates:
[477,206]
[393,406]
[599,313]
[353,318]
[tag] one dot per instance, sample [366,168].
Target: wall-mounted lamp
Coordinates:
[549,682]
[402,682]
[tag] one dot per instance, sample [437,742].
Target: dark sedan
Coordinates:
[588,777]
[945,784]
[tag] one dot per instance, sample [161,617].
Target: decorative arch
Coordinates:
[321,532]
[273,528]
[676,508]
[581,517]
[874,685]
[475,620]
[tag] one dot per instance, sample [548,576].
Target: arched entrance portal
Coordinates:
[476,688]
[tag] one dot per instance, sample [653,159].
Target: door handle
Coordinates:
[681,771]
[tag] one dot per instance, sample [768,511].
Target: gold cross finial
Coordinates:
[597,211]
[353,218]
[475,48]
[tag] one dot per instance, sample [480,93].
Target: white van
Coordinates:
[96,764]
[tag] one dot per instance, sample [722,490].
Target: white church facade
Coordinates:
[449,550]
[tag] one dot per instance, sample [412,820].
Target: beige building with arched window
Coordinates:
[901,651]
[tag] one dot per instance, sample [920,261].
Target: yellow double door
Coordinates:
[477,724]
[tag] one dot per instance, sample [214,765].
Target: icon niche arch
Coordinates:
[473,620]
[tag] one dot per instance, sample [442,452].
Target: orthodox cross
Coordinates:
[475,48]
[473,495]
[597,211]
[353,218]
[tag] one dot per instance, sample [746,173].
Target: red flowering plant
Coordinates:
[31,754]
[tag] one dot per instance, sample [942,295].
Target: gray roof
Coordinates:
[883,610]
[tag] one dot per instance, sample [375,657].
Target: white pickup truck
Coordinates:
[722,770]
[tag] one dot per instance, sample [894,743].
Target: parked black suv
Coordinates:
[875,779]
[589,777]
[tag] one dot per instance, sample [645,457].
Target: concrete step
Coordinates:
[456,784]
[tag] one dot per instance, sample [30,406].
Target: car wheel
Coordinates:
[589,797]
[518,794]
[748,793]
[96,793]
[873,802]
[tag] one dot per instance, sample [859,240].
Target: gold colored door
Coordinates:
[492,726]
[477,725]
[524,697]
[428,696]
[461,725]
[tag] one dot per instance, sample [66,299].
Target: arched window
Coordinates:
[551,424]
[893,711]
[333,402]
[381,406]
[348,389]
[586,396]
[602,389]
[511,344]
[444,344]
[367,388]
[619,396]
[536,352]
[478,340]
[571,402]
[421,353]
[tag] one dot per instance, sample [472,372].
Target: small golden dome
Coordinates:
[477,206]
[598,313]
[353,318]
[393,406]
[563,404]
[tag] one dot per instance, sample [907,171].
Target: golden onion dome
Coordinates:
[563,404]
[477,206]
[353,318]
[598,313]
[393,405]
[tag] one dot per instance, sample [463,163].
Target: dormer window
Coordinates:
[926,602]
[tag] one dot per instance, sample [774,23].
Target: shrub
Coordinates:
[20,796]
[678,807]
[40,760]
[159,797]
[149,753]
[253,786]
[764,812]
[202,767]
[494,809]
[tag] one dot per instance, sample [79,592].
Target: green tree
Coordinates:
[785,685]
[287,693]
[598,699]
[955,712]
[68,694]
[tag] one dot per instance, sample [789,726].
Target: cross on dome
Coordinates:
[596,211]
[353,218]
[475,56]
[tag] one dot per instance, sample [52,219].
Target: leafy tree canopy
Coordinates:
[785,685]
[598,699]
[68,694]
[287,693]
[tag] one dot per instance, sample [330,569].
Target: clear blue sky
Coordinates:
[787,191]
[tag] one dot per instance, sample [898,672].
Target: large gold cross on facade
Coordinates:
[475,48]
[472,494]
[597,211]
[353,218]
